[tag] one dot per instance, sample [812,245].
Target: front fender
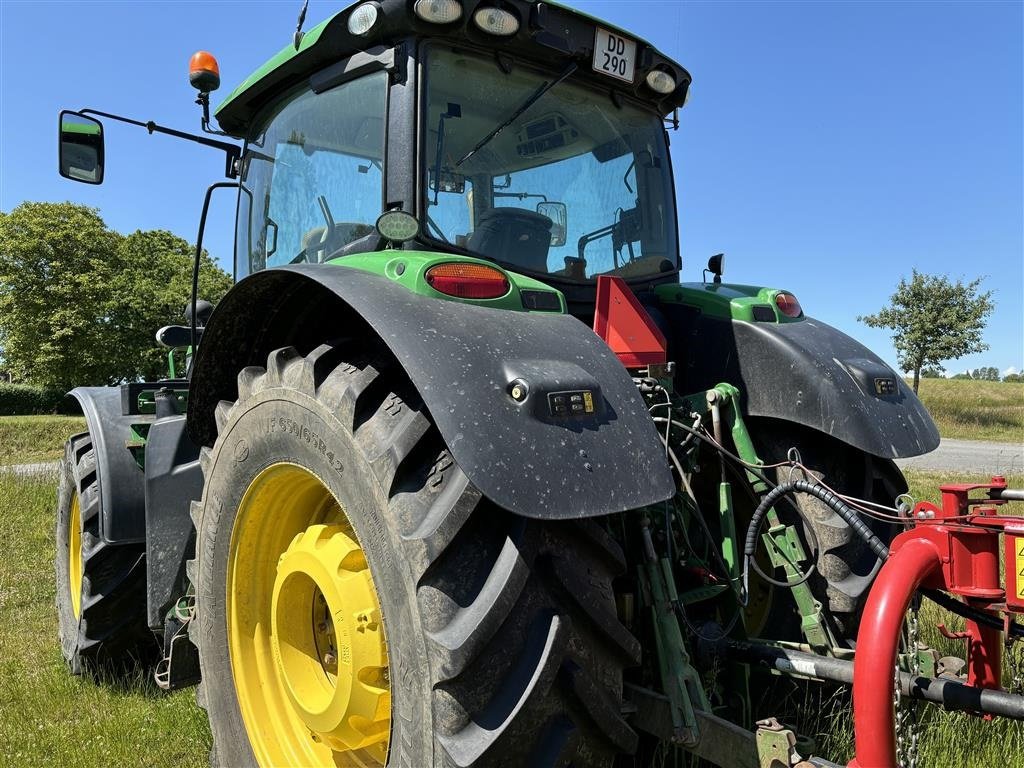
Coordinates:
[809,373]
[121,480]
[462,359]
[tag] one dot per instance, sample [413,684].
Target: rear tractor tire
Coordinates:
[360,603]
[846,566]
[101,587]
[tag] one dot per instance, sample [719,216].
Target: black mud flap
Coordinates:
[535,408]
[805,372]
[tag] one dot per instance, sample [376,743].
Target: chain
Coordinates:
[907,730]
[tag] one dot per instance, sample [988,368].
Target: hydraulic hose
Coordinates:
[851,517]
[828,498]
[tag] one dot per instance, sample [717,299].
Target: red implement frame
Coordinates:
[954,548]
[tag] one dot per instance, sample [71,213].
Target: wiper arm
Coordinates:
[544,88]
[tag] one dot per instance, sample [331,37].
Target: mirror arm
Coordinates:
[232,151]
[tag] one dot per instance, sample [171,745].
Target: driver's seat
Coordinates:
[316,242]
[514,236]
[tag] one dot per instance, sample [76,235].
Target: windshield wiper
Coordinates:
[544,88]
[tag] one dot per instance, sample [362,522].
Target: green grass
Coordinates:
[26,439]
[976,410]
[51,718]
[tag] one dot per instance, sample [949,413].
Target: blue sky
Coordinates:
[827,148]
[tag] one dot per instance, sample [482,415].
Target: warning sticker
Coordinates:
[1018,548]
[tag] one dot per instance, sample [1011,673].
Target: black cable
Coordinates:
[775,582]
[758,474]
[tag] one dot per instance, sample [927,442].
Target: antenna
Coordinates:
[298,27]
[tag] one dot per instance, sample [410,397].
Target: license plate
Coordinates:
[614,55]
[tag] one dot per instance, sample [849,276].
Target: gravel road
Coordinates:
[25,470]
[951,455]
[971,456]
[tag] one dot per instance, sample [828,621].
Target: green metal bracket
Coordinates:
[700,594]
[783,538]
[679,680]
[727,521]
[136,442]
[779,746]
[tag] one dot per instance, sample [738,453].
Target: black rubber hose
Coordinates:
[965,611]
[831,500]
[851,517]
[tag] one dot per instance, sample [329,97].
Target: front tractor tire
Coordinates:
[101,586]
[360,603]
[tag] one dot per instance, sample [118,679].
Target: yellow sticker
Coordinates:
[588,402]
[1018,547]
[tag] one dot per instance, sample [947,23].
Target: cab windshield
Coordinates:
[573,186]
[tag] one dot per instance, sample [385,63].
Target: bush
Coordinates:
[27,400]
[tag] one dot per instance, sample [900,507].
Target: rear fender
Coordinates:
[805,372]
[121,480]
[462,359]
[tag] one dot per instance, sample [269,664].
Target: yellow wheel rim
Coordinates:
[305,632]
[75,556]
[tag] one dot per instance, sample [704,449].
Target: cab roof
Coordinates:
[550,33]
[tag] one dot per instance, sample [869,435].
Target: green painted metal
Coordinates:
[286,54]
[780,537]
[138,434]
[409,268]
[727,301]
[88,129]
[679,680]
[323,44]
[727,523]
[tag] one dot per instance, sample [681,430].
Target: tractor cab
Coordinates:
[527,135]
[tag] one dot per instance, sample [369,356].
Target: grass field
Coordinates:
[26,439]
[51,718]
[976,410]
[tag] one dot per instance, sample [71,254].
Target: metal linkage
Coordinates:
[679,679]
[950,694]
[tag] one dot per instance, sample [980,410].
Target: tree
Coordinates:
[1014,377]
[934,320]
[153,287]
[80,303]
[988,373]
[57,261]
[931,372]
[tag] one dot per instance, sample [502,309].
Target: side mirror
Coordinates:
[80,148]
[716,265]
[559,216]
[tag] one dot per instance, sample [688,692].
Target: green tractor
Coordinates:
[459,473]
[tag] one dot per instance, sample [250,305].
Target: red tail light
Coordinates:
[788,305]
[468,281]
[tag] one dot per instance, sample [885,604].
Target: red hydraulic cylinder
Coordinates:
[877,646]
